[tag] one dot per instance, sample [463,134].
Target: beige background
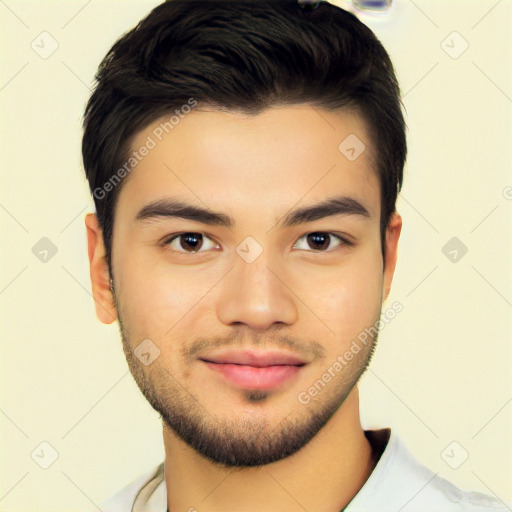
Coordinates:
[442,372]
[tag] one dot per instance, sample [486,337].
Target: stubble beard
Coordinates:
[239,441]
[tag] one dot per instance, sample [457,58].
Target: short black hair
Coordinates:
[245,56]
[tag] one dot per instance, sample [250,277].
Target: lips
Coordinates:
[254,370]
[250,358]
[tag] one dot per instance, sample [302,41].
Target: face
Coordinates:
[246,261]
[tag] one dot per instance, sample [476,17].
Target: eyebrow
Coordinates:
[170,208]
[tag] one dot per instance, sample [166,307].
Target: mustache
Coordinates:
[311,349]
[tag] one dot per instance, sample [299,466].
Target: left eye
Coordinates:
[190,242]
[320,241]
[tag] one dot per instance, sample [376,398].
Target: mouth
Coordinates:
[255,370]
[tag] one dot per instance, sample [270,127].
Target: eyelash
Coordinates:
[170,239]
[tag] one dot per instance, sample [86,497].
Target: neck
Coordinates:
[323,476]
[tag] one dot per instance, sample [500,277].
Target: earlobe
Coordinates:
[392,236]
[100,276]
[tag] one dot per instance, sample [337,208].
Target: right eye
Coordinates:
[189,243]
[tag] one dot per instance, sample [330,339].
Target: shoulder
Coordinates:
[124,499]
[400,482]
[450,497]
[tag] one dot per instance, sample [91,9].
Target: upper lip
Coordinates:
[254,358]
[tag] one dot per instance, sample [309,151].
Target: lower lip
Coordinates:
[252,377]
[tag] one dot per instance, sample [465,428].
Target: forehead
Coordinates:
[275,159]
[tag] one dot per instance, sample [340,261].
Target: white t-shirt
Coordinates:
[398,483]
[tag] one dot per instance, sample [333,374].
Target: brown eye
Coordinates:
[320,241]
[190,242]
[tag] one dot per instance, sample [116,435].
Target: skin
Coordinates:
[294,297]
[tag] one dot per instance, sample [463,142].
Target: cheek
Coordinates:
[158,300]
[155,296]
[348,299]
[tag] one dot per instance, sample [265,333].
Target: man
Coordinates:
[245,159]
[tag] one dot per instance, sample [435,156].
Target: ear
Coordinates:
[100,276]
[392,235]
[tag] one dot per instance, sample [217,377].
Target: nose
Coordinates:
[256,295]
